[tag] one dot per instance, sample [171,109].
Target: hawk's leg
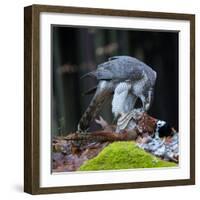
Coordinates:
[147,100]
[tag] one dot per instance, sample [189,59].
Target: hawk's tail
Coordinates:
[101,95]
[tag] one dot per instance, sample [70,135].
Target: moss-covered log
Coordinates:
[124,155]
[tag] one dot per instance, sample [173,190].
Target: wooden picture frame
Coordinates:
[32,94]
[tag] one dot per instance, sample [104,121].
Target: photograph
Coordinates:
[109,99]
[114,98]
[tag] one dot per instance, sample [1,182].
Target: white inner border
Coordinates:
[47,179]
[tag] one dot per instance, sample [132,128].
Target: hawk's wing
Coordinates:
[122,68]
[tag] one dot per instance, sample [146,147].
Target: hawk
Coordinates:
[128,79]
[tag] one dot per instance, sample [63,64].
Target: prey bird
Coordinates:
[128,79]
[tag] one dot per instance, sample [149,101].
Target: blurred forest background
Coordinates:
[76,51]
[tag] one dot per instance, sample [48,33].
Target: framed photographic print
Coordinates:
[109,99]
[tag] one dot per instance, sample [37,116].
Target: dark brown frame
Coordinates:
[32,107]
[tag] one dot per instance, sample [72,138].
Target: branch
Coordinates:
[103,136]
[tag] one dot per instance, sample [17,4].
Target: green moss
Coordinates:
[124,155]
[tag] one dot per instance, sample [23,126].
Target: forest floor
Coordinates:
[106,151]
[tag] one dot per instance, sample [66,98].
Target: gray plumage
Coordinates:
[110,74]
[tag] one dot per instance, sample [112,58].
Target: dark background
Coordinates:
[76,51]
